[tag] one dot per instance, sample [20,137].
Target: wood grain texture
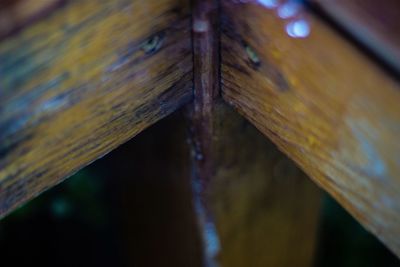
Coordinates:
[15,14]
[205,81]
[86,79]
[265,209]
[324,103]
[375,24]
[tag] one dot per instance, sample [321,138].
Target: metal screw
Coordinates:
[153,44]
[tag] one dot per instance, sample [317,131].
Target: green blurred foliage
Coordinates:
[344,242]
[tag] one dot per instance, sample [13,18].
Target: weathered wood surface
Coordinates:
[323,102]
[15,14]
[77,84]
[265,209]
[205,81]
[375,24]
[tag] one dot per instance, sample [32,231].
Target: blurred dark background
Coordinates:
[130,208]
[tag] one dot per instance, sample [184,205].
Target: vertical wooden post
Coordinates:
[205,41]
[265,209]
[253,205]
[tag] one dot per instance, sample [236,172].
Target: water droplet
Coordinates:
[199,156]
[212,240]
[288,10]
[200,26]
[298,29]
[269,3]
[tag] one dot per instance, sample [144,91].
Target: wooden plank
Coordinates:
[375,24]
[265,209]
[15,14]
[86,79]
[323,102]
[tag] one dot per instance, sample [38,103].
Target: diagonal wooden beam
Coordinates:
[373,23]
[17,14]
[322,101]
[82,81]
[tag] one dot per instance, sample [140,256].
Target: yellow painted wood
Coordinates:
[15,14]
[323,102]
[80,82]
